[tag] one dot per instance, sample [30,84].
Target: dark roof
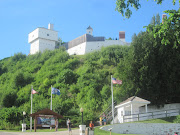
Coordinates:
[133,98]
[46,112]
[89,27]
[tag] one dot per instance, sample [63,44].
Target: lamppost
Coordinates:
[81,110]
[24,113]
[82,127]
[23,124]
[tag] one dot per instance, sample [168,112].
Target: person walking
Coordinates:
[100,119]
[56,124]
[91,125]
[67,122]
[69,127]
[104,118]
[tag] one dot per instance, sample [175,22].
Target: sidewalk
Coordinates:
[74,132]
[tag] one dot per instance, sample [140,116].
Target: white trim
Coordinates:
[139,102]
[117,106]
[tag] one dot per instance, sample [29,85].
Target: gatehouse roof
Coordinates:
[46,112]
[133,99]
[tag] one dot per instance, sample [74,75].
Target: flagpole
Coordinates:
[112,101]
[51,103]
[51,98]
[31,110]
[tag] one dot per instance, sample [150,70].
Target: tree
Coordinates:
[169,31]
[123,6]
[153,20]
[109,38]
[158,19]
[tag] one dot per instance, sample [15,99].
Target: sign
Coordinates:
[45,120]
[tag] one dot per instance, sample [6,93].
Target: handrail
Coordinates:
[152,112]
[106,110]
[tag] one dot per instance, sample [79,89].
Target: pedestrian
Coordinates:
[56,124]
[67,122]
[100,119]
[104,118]
[91,125]
[69,127]
[176,133]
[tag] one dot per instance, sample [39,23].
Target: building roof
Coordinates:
[133,99]
[46,112]
[89,27]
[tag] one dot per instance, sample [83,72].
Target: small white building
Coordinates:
[130,107]
[42,39]
[88,43]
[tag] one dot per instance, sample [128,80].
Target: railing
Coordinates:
[108,113]
[150,115]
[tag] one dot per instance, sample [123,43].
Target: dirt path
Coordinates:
[74,132]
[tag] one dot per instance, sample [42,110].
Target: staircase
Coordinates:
[108,113]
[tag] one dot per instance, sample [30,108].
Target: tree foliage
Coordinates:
[123,6]
[169,31]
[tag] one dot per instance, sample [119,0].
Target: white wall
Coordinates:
[120,113]
[46,45]
[77,50]
[96,45]
[144,128]
[34,47]
[48,34]
[43,33]
[33,35]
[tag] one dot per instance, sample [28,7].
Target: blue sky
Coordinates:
[70,18]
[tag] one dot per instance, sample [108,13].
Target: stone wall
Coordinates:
[144,128]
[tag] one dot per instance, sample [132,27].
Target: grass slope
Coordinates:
[161,120]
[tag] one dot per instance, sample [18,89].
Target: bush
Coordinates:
[177,120]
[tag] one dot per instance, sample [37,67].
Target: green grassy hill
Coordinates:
[147,68]
[84,81]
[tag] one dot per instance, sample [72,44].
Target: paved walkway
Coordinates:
[74,132]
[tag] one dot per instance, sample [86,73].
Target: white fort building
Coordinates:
[42,39]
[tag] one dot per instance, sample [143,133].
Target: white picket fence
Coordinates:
[150,115]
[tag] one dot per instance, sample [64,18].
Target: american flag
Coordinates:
[114,81]
[33,91]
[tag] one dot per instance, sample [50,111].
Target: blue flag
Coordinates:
[55,91]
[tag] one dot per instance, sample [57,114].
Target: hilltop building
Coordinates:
[42,39]
[88,43]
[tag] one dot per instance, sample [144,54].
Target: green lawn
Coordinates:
[160,120]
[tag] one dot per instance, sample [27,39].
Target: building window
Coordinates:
[47,34]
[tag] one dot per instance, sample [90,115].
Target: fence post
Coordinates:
[152,115]
[166,113]
[138,117]
[123,119]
